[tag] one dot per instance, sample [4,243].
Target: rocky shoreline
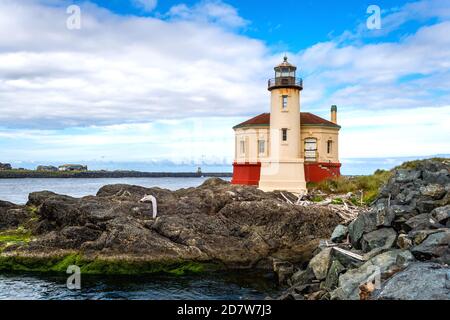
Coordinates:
[379,255]
[399,249]
[214,226]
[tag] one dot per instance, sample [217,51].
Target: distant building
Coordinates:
[47,168]
[5,166]
[72,167]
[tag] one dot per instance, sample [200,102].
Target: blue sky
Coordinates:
[148,80]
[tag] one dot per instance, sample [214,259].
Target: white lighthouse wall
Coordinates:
[287,118]
[284,169]
[250,136]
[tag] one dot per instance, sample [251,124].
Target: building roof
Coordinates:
[285,63]
[306,118]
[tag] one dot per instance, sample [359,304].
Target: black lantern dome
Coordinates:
[285,76]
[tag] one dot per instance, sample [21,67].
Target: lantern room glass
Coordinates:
[285,72]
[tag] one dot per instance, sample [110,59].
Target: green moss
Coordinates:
[317,198]
[337,201]
[32,210]
[100,266]
[19,235]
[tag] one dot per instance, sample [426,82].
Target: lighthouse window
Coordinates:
[285,102]
[329,146]
[242,144]
[311,149]
[261,146]
[284,133]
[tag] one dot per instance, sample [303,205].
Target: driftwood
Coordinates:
[152,200]
[350,254]
[346,210]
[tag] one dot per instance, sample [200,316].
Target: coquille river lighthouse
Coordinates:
[284,149]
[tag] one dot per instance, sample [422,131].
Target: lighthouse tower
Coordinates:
[284,168]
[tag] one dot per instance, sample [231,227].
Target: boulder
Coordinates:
[283,269]
[302,277]
[419,222]
[383,214]
[339,233]
[404,258]
[419,281]
[440,177]
[418,236]
[332,279]
[441,214]
[407,175]
[380,266]
[320,263]
[403,241]
[426,206]
[11,215]
[434,191]
[365,222]
[435,245]
[381,238]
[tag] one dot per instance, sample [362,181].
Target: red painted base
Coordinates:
[319,171]
[250,173]
[246,173]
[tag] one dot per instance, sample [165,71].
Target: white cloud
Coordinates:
[371,76]
[122,69]
[146,5]
[177,140]
[119,75]
[392,19]
[395,132]
[209,11]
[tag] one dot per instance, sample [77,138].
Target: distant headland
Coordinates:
[65,171]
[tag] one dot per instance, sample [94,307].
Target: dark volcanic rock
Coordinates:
[435,245]
[384,237]
[235,226]
[441,214]
[419,281]
[409,220]
[419,222]
[332,279]
[339,233]
[11,215]
[365,222]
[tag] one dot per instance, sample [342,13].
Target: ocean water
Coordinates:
[239,285]
[17,190]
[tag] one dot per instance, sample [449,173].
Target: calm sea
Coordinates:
[242,285]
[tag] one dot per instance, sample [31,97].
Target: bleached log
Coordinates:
[350,254]
[151,199]
[285,198]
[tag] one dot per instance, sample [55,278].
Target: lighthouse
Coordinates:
[284,149]
[284,169]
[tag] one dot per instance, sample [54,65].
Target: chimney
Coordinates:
[334,114]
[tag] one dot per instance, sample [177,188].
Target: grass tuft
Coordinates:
[370,186]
